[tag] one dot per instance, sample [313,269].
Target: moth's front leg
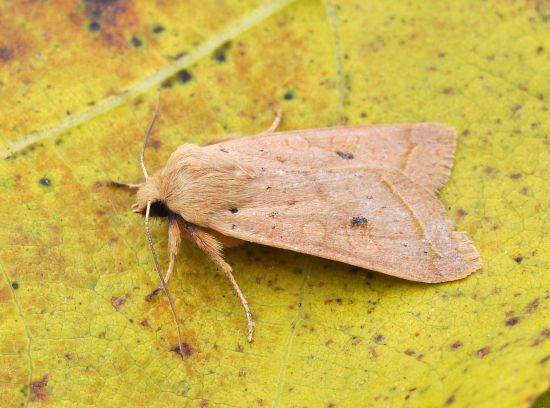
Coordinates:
[213,248]
[175,232]
[129,186]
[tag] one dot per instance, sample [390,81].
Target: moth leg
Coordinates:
[213,248]
[174,241]
[130,186]
[276,122]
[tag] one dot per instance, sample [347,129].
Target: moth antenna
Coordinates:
[163,284]
[149,130]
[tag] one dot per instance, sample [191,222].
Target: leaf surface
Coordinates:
[79,81]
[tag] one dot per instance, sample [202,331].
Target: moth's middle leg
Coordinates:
[276,122]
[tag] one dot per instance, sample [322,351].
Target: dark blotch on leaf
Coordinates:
[450,400]
[220,54]
[288,95]
[358,221]
[45,182]
[518,259]
[15,285]
[136,42]
[233,210]
[167,83]
[512,321]
[157,29]
[482,352]
[184,76]
[456,345]
[185,351]
[94,26]
[5,54]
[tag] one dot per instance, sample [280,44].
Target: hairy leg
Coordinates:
[212,247]
[174,241]
[129,186]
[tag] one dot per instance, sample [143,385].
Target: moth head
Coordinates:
[148,191]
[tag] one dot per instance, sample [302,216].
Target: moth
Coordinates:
[362,195]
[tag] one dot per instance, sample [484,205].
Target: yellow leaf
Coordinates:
[79,81]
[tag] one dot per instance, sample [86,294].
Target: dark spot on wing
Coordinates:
[345,156]
[358,222]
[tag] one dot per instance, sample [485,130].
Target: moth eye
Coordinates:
[159,209]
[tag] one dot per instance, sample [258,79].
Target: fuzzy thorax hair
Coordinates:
[196,183]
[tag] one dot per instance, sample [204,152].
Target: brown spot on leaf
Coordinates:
[185,350]
[488,170]
[482,352]
[461,213]
[5,54]
[118,302]
[524,190]
[378,338]
[448,91]
[15,285]
[204,403]
[145,323]
[450,400]
[515,176]
[45,181]
[456,345]
[513,321]
[409,352]
[38,389]
[518,259]
[532,307]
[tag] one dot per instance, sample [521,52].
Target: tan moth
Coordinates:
[362,195]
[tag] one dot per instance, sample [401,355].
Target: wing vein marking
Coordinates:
[417,219]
